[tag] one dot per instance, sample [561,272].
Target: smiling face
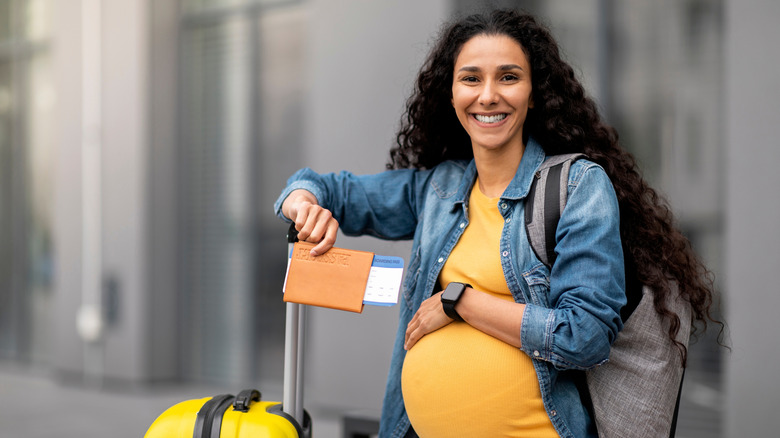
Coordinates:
[491,92]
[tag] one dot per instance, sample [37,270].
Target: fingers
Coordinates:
[312,223]
[429,318]
[328,239]
[316,225]
[422,325]
[411,336]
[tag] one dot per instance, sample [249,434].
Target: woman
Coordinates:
[498,352]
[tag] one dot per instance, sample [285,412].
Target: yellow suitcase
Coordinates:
[244,415]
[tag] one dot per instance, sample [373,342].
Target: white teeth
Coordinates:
[490,119]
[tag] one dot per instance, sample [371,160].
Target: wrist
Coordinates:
[294,200]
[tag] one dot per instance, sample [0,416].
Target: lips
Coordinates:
[490,119]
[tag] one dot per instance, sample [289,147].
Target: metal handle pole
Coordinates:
[292,402]
[299,369]
[295,330]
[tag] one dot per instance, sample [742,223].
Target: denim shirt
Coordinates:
[569,323]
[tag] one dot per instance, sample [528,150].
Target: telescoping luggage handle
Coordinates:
[292,399]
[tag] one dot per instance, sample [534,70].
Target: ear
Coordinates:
[531,102]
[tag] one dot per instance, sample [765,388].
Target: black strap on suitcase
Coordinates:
[208,423]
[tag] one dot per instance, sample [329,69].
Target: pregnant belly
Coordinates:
[458,381]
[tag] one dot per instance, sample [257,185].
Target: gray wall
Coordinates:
[161,192]
[137,141]
[67,196]
[124,135]
[752,218]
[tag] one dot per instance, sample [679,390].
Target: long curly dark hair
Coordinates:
[563,120]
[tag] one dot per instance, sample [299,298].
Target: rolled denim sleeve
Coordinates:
[383,205]
[296,182]
[587,281]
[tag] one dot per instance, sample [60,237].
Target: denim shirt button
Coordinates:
[505,253]
[462,224]
[508,220]
[503,205]
[536,353]
[553,413]
[441,259]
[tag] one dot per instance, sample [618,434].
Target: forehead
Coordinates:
[491,50]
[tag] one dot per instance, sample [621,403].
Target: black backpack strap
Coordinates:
[545,201]
[673,429]
[552,210]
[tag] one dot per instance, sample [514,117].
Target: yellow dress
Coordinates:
[459,381]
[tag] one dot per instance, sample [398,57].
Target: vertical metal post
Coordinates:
[295,329]
[292,402]
[90,315]
[299,373]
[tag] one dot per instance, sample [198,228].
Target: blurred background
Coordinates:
[143,142]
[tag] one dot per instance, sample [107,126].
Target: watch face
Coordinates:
[450,297]
[453,291]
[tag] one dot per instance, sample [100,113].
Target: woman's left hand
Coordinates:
[429,318]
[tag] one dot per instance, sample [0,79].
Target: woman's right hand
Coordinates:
[314,223]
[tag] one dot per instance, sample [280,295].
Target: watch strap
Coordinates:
[449,309]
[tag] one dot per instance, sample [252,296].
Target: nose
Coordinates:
[489,94]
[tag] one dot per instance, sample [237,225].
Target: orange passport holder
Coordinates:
[336,279]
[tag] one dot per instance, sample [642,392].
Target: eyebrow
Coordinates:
[505,67]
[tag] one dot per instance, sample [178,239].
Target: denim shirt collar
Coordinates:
[533,156]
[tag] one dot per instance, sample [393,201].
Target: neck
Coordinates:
[496,169]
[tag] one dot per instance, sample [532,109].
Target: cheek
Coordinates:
[459,105]
[523,100]
[530,96]
[462,117]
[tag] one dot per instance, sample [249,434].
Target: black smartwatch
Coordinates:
[450,297]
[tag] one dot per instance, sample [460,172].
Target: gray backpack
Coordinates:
[637,392]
